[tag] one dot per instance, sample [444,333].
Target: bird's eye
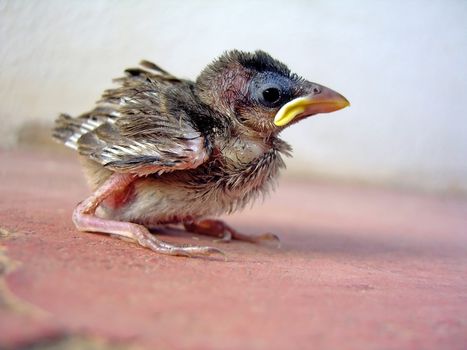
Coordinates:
[271,95]
[270,90]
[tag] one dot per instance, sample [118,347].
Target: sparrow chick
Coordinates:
[160,150]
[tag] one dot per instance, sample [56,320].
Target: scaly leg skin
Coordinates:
[225,233]
[85,220]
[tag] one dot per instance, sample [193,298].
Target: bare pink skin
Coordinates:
[85,220]
[117,190]
[224,232]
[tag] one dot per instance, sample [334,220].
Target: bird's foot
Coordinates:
[158,246]
[225,233]
[140,234]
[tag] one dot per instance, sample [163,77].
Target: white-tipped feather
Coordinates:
[71,144]
[87,126]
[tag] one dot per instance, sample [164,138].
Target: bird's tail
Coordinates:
[69,130]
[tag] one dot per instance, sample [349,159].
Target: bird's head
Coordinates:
[261,93]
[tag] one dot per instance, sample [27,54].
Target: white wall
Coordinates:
[402,64]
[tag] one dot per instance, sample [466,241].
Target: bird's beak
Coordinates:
[322,100]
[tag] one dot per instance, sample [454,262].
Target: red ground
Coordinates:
[359,268]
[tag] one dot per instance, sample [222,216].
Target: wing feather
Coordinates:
[131,130]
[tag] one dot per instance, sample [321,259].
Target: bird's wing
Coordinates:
[130,130]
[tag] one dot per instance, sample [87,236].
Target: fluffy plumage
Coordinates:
[158,149]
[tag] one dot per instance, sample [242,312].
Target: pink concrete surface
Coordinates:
[359,268]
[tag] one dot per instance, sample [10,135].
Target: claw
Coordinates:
[214,251]
[179,252]
[270,237]
[226,238]
[203,250]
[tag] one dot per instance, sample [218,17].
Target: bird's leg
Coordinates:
[85,220]
[224,232]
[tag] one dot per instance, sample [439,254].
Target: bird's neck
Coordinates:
[243,147]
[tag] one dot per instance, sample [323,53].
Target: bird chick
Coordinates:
[160,150]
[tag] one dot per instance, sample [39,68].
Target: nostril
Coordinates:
[316,90]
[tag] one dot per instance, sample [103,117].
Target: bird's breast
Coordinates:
[223,184]
[243,151]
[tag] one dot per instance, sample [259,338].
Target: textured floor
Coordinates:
[359,268]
